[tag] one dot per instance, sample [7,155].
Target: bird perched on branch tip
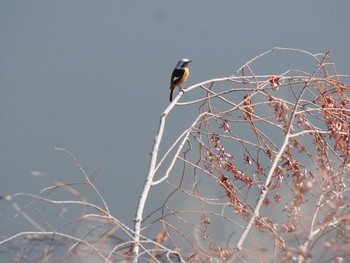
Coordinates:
[180,75]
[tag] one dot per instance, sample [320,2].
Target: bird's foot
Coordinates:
[181,90]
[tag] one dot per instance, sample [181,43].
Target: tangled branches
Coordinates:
[260,175]
[267,159]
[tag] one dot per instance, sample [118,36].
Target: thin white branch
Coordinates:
[188,132]
[85,175]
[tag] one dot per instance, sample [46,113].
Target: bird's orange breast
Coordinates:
[184,77]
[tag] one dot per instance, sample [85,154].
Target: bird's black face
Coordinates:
[185,64]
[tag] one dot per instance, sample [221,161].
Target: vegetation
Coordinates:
[261,175]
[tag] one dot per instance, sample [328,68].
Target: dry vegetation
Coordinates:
[261,175]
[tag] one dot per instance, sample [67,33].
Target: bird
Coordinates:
[179,76]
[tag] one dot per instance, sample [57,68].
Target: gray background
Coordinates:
[93,77]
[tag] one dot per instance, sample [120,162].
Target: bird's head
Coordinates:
[183,63]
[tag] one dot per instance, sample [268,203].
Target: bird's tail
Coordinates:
[172,88]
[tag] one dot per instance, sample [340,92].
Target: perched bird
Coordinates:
[179,76]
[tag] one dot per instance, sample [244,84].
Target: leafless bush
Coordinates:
[262,172]
[260,175]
